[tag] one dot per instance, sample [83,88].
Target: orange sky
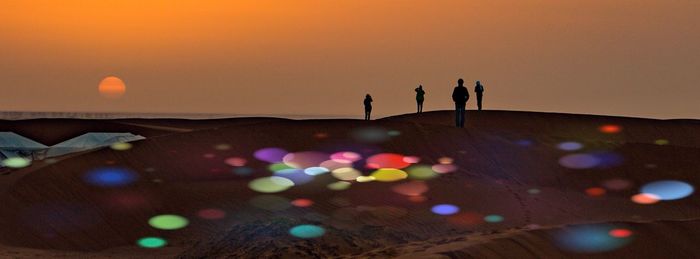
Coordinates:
[320,57]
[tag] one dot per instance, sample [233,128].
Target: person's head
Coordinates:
[420,86]
[478,82]
[367,96]
[460,82]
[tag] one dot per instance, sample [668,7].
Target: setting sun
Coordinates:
[112,87]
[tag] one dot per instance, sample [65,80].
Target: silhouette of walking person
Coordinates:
[368,106]
[479,90]
[420,97]
[460,95]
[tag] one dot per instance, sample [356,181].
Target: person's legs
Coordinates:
[461,117]
[479,97]
[457,115]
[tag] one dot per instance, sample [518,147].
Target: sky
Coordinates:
[318,57]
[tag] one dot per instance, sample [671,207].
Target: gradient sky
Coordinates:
[320,57]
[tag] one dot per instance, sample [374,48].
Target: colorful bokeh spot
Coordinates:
[533,191]
[339,186]
[421,172]
[346,157]
[645,198]
[387,160]
[493,218]
[579,161]
[570,146]
[270,154]
[168,222]
[110,177]
[389,175]
[302,203]
[445,209]
[235,161]
[668,189]
[151,242]
[270,184]
[445,160]
[620,233]
[307,231]
[595,191]
[121,146]
[662,142]
[394,133]
[16,162]
[610,128]
[346,173]
[444,168]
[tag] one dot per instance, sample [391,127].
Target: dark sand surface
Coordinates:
[507,164]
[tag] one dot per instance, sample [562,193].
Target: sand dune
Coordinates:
[526,185]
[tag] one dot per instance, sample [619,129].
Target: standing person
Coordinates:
[368,106]
[420,97]
[460,95]
[479,89]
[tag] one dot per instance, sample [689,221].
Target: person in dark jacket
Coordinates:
[460,95]
[420,97]
[368,106]
[479,90]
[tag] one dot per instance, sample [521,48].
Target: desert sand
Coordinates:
[510,184]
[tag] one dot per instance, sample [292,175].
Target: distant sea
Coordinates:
[20,115]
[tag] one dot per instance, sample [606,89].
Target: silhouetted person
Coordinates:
[368,106]
[420,97]
[479,90]
[460,96]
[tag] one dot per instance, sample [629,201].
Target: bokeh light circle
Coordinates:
[168,222]
[346,157]
[444,209]
[235,161]
[645,198]
[421,172]
[302,203]
[121,146]
[110,177]
[339,186]
[387,160]
[668,189]
[346,173]
[579,161]
[389,175]
[444,168]
[270,154]
[570,146]
[16,162]
[595,191]
[610,128]
[620,233]
[270,184]
[493,218]
[151,242]
[307,231]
